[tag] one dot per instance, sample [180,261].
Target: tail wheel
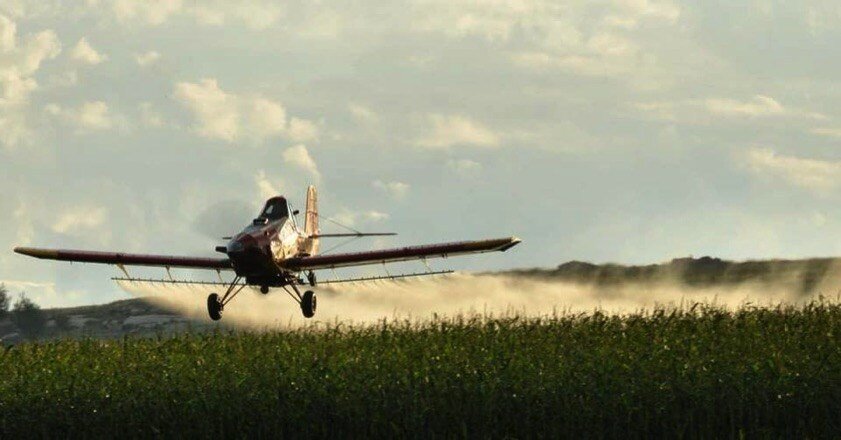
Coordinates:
[264,289]
[214,307]
[308,304]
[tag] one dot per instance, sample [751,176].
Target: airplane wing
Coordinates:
[399,254]
[126,259]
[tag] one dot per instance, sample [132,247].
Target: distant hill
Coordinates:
[135,316]
[803,275]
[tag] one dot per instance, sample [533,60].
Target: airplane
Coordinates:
[274,252]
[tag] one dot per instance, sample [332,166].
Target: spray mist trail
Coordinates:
[371,302]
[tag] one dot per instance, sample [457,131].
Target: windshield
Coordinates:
[275,209]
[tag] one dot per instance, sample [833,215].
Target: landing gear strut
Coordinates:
[307,301]
[216,305]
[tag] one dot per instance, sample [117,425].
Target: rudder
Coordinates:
[311,219]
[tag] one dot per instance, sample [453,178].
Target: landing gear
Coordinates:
[311,278]
[264,289]
[307,301]
[214,307]
[308,304]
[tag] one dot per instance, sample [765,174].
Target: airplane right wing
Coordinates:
[441,250]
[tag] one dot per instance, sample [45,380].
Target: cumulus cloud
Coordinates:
[465,167]
[760,106]
[147,58]
[812,174]
[456,130]
[397,190]
[87,117]
[85,53]
[302,130]
[543,34]
[265,186]
[363,114]
[353,218]
[231,117]
[254,14]
[19,61]
[827,131]
[300,157]
[149,116]
[78,219]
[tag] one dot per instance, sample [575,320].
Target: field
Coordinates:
[697,372]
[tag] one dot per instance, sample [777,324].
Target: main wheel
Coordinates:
[214,307]
[311,278]
[308,304]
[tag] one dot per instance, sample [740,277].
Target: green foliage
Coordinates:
[4,301]
[28,316]
[701,372]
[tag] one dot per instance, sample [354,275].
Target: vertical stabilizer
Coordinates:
[311,220]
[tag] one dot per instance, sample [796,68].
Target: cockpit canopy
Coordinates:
[276,208]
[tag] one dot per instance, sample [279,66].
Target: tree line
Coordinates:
[23,312]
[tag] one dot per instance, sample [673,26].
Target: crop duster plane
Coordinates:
[274,252]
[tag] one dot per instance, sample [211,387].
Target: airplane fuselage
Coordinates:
[257,251]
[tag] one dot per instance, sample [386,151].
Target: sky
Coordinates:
[627,131]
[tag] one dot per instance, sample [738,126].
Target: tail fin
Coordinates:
[311,220]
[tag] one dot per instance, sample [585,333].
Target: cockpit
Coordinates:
[276,209]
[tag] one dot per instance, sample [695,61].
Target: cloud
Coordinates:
[254,14]
[89,116]
[300,157]
[152,12]
[8,31]
[812,174]
[397,190]
[301,130]
[758,107]
[85,53]
[457,130]
[265,186]
[363,114]
[149,117]
[19,61]
[79,219]
[353,218]
[465,168]
[147,58]
[542,34]
[827,131]
[230,117]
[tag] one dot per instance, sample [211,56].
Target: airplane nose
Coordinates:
[241,244]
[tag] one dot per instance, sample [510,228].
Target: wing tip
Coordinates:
[37,253]
[512,241]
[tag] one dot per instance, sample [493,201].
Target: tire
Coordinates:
[308,304]
[264,289]
[214,307]
[311,278]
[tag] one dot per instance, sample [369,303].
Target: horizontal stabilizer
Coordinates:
[359,234]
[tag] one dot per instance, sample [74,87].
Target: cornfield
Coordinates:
[696,372]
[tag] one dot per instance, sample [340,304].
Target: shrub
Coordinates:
[28,317]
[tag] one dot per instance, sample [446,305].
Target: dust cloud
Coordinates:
[468,294]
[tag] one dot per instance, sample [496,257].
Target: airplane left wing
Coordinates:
[399,254]
[118,258]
